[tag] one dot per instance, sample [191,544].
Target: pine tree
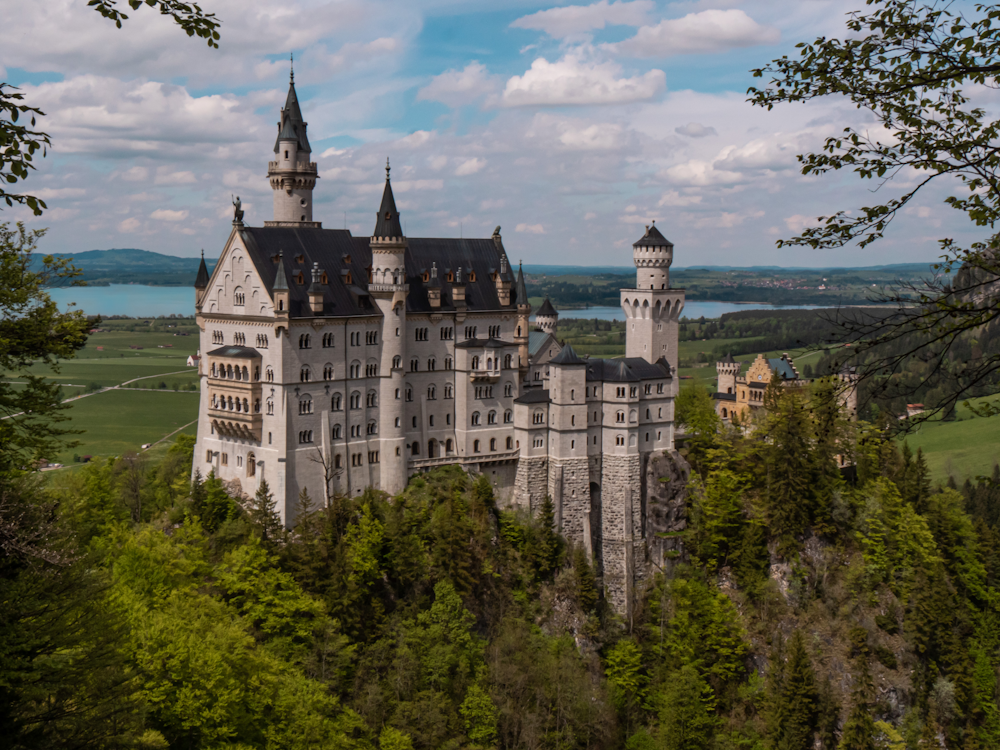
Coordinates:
[547,547]
[264,512]
[829,716]
[687,721]
[797,715]
[586,586]
[452,552]
[859,728]
[791,477]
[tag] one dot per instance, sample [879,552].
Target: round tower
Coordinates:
[547,319]
[652,255]
[388,289]
[523,314]
[291,174]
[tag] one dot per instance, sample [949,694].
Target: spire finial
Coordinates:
[387,169]
[291,67]
[203,252]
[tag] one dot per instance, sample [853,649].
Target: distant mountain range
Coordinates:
[136,266]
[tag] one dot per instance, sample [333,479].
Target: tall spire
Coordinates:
[201,281]
[520,291]
[387,223]
[280,282]
[292,127]
[291,68]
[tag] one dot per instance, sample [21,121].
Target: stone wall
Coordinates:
[531,482]
[621,521]
[666,479]
[569,486]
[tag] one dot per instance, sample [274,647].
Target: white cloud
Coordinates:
[695,130]
[707,31]
[129,225]
[798,223]
[697,172]
[491,204]
[674,199]
[774,153]
[589,216]
[530,228]
[320,63]
[470,166]
[165,177]
[573,80]
[47,194]
[135,174]
[437,162]
[165,214]
[415,139]
[576,19]
[458,87]
[597,136]
[333,152]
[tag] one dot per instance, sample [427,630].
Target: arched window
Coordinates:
[214,370]
[431,364]
[475,417]
[475,446]
[327,372]
[372,427]
[335,432]
[508,416]
[355,400]
[337,462]
[372,399]
[371,371]
[491,418]
[448,391]
[414,365]
[431,393]
[246,373]
[493,444]
[648,414]
[415,448]
[229,400]
[251,465]
[355,369]
[725,413]
[489,363]
[475,363]
[510,443]
[507,361]
[620,416]
[238,373]
[327,340]
[256,406]
[270,406]
[304,375]
[397,362]
[306,405]
[335,402]
[229,371]
[304,341]
[239,299]
[269,375]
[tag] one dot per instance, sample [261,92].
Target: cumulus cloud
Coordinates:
[165,177]
[695,130]
[319,62]
[707,31]
[48,194]
[700,173]
[576,19]
[165,214]
[458,87]
[129,225]
[589,216]
[135,174]
[530,228]
[574,80]
[470,166]
[674,199]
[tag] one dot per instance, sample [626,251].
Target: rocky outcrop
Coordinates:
[666,512]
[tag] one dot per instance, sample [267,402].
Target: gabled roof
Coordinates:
[387,222]
[533,397]
[567,357]
[484,344]
[783,367]
[201,281]
[652,238]
[728,359]
[628,369]
[536,341]
[520,291]
[292,126]
[339,254]
[547,309]
[243,352]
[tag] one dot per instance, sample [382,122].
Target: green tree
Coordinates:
[264,512]
[586,585]
[915,68]
[795,718]
[480,715]
[687,719]
[859,729]
[696,409]
[546,546]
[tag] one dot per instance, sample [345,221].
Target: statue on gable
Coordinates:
[237,211]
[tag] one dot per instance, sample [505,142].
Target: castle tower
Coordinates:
[521,330]
[652,309]
[200,283]
[388,290]
[291,174]
[727,369]
[547,319]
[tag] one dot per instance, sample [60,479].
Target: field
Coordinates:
[117,421]
[963,449]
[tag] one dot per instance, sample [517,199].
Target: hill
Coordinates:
[134,266]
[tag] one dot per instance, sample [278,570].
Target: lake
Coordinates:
[153,301]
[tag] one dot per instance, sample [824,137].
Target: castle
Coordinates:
[333,363]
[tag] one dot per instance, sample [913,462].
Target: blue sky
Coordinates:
[571,126]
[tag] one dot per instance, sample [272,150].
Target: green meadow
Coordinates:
[964,449]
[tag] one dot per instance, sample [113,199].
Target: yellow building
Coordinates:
[738,393]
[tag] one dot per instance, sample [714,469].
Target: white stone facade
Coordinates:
[404,354]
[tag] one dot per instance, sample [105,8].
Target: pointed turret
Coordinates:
[520,291]
[547,319]
[523,327]
[201,281]
[291,174]
[387,224]
[281,289]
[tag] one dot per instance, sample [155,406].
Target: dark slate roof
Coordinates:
[783,367]
[536,340]
[728,359]
[652,238]
[292,126]
[244,352]
[520,290]
[387,221]
[201,281]
[724,396]
[332,248]
[483,343]
[547,309]
[629,369]
[567,357]
[533,397]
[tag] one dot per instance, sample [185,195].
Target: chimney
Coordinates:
[316,291]
[458,290]
[434,288]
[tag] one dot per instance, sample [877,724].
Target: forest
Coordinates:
[806,608]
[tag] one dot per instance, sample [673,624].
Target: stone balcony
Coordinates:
[484,376]
[239,425]
[388,288]
[274,166]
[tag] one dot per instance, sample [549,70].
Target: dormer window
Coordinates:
[299,278]
[426,277]
[388,216]
[323,278]
[472,276]
[347,278]
[451,278]
[300,259]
